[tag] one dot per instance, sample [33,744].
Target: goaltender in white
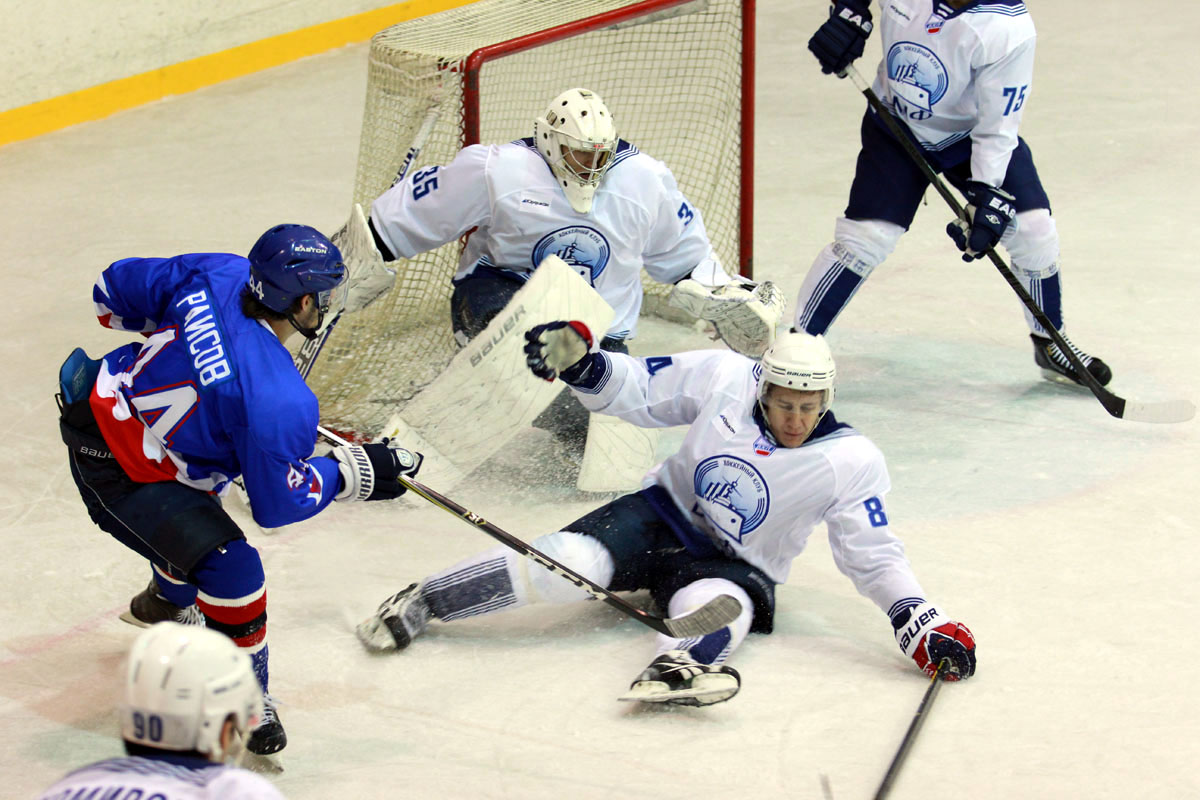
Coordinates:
[574,190]
[763,463]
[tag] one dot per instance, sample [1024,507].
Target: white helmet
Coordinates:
[577,120]
[799,361]
[182,683]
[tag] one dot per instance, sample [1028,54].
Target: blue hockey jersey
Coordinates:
[210,394]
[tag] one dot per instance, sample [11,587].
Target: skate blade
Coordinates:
[1060,379]
[128,616]
[702,697]
[267,765]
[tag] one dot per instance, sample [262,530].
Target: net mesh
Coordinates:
[672,77]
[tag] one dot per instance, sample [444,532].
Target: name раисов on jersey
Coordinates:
[200,325]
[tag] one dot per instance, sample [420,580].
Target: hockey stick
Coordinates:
[1180,410]
[307,355]
[712,616]
[911,734]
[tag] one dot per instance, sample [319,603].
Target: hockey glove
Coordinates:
[559,349]
[370,278]
[840,39]
[990,211]
[743,313]
[927,636]
[372,471]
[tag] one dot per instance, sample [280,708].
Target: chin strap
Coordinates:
[308,333]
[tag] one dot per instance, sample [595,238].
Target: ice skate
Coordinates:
[1055,366]
[400,619]
[268,736]
[675,677]
[150,607]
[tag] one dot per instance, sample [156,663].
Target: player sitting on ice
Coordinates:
[763,463]
[575,190]
[157,430]
[190,697]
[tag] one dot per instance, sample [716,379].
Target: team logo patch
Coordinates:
[584,249]
[917,79]
[732,495]
[295,478]
[763,446]
[934,24]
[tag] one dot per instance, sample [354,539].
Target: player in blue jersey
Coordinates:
[189,697]
[157,430]
[958,74]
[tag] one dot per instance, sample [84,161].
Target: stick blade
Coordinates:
[1168,411]
[712,616]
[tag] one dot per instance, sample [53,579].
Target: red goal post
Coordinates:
[678,76]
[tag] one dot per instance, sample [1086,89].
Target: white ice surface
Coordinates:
[1065,538]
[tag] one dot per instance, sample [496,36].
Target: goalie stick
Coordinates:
[1179,410]
[712,616]
[307,355]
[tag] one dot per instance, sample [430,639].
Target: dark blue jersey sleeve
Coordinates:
[134,294]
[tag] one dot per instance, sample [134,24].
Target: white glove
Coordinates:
[370,277]
[744,314]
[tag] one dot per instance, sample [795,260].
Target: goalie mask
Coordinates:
[182,682]
[798,361]
[577,137]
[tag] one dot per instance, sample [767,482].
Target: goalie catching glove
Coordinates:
[744,313]
[370,278]
[927,636]
[560,349]
[372,471]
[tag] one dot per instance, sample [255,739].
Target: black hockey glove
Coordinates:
[372,471]
[560,349]
[840,39]
[990,210]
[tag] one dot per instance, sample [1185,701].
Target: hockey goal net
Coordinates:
[677,75]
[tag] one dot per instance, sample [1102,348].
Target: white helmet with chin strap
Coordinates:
[181,684]
[577,120]
[799,361]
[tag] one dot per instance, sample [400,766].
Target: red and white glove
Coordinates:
[928,636]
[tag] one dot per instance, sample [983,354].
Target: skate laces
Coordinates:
[190,615]
[1059,357]
[269,715]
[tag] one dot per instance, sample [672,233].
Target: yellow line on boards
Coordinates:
[96,102]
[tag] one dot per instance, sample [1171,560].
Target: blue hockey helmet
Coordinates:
[290,261]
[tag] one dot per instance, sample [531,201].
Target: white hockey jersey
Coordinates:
[754,500]
[958,73]
[507,194]
[182,778]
